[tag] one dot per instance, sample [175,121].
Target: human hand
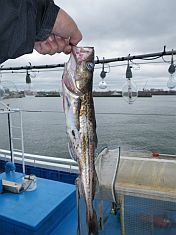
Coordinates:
[65,34]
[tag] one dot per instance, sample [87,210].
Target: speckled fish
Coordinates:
[80,122]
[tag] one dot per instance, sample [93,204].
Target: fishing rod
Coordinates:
[149,56]
[29,67]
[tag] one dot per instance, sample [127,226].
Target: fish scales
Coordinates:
[81,124]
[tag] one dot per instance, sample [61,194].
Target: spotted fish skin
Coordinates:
[78,106]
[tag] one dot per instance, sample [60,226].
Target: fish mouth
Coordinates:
[81,53]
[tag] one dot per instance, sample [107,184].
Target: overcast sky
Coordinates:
[115,28]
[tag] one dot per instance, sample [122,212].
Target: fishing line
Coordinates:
[137,63]
[41,111]
[154,58]
[167,61]
[115,176]
[105,113]
[139,114]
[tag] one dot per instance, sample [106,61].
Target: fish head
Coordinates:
[78,72]
[84,57]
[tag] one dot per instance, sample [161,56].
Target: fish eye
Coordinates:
[90,66]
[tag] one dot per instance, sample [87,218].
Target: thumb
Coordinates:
[75,37]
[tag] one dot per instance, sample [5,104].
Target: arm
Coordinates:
[25,23]
[65,33]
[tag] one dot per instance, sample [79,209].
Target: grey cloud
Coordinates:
[116,28]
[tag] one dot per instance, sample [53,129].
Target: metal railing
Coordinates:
[64,164]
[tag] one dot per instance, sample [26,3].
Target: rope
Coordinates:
[114,178]
[77,205]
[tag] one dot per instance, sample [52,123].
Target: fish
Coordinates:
[157,220]
[77,83]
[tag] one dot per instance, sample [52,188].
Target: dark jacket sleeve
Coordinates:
[22,22]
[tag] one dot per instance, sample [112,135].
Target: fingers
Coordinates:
[76,37]
[61,43]
[52,45]
[65,34]
[67,49]
[43,47]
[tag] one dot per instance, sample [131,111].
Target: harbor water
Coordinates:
[149,124]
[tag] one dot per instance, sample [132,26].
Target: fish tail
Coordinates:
[92,223]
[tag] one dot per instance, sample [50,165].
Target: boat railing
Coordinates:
[55,163]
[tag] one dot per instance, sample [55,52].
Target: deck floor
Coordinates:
[37,212]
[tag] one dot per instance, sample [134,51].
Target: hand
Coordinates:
[65,34]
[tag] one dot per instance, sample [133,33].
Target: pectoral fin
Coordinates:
[72,152]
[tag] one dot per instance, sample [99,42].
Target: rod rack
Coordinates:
[101,61]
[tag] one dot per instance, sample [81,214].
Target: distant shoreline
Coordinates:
[145,93]
[111,93]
